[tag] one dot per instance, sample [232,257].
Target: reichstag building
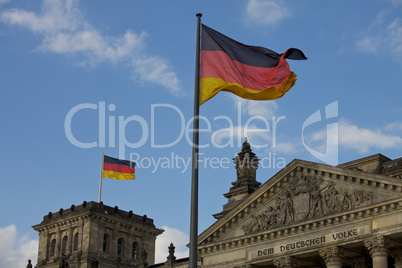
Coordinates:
[307,215]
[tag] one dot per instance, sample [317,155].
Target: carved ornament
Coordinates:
[307,197]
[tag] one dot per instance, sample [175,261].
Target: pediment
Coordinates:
[303,193]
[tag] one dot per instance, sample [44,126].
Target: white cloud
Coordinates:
[15,251]
[396,2]
[256,136]
[285,148]
[394,32]
[266,109]
[362,140]
[259,128]
[397,126]
[171,235]
[4,2]
[369,44]
[66,32]
[155,69]
[266,12]
[384,33]
[56,16]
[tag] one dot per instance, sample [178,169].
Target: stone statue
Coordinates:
[29,265]
[246,163]
[307,197]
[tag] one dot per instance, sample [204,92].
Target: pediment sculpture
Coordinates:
[307,197]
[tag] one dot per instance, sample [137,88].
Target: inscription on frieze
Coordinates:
[308,242]
[307,197]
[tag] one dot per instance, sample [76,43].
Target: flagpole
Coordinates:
[100,183]
[194,177]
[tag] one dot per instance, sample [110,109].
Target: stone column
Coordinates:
[378,248]
[332,256]
[285,262]
[397,255]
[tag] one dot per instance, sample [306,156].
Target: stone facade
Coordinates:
[309,215]
[314,215]
[95,235]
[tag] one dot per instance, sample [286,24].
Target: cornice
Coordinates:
[79,217]
[354,216]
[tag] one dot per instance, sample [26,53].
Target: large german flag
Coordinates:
[250,72]
[114,168]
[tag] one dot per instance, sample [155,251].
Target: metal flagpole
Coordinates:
[100,183]
[194,179]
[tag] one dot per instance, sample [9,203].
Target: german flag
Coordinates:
[250,72]
[114,168]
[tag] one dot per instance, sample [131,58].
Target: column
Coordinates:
[397,255]
[332,256]
[285,262]
[378,248]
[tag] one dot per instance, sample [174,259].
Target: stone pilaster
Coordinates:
[378,248]
[285,262]
[113,242]
[332,256]
[70,239]
[58,243]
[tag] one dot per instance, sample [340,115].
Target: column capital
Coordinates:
[285,262]
[332,256]
[377,245]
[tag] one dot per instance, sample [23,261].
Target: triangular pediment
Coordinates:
[303,194]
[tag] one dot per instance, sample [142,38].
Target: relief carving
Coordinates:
[388,169]
[307,197]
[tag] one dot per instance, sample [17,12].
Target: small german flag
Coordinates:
[117,169]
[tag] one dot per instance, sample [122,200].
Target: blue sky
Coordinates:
[84,77]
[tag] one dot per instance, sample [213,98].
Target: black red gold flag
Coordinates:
[114,168]
[251,72]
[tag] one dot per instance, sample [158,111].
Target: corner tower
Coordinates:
[95,235]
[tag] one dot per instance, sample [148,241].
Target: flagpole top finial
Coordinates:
[199,15]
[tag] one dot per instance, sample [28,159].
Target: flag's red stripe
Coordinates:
[219,65]
[118,168]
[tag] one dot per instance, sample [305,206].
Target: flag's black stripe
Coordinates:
[250,55]
[111,160]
